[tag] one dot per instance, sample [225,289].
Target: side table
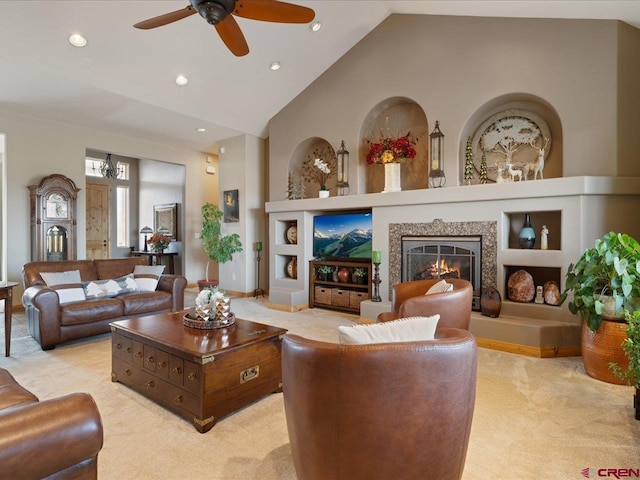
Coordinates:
[155,258]
[6,294]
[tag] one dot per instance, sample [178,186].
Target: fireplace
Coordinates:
[429,257]
[482,258]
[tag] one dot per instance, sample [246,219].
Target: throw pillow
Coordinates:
[147,276]
[410,329]
[67,285]
[440,287]
[109,288]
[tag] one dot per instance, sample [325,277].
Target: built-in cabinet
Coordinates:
[339,285]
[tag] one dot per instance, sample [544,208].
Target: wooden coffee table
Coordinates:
[202,375]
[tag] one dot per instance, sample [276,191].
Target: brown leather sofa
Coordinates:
[54,439]
[51,323]
[399,411]
[408,299]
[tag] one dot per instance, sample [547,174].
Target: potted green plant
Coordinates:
[604,282]
[323,272]
[360,275]
[630,373]
[220,248]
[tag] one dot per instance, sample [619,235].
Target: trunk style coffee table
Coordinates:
[201,375]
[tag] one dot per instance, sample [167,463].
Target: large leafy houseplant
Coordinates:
[631,347]
[220,248]
[607,275]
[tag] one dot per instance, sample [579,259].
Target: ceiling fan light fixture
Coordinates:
[315,26]
[77,40]
[217,11]
[181,80]
[275,66]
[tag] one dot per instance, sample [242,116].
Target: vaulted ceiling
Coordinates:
[123,80]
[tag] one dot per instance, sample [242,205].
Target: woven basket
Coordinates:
[603,347]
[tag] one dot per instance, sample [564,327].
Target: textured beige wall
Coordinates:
[628,101]
[452,66]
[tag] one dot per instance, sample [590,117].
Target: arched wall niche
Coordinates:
[394,117]
[531,106]
[308,150]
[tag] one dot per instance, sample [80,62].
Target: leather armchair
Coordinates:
[408,299]
[380,411]
[53,439]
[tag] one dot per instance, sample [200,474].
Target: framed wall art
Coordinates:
[231,206]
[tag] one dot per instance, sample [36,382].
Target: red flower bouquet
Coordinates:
[391,150]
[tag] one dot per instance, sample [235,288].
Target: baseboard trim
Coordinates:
[528,350]
[287,308]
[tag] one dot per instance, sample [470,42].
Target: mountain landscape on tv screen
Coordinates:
[355,244]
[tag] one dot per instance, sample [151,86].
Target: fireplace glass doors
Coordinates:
[429,257]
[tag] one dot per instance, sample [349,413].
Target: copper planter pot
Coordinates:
[603,347]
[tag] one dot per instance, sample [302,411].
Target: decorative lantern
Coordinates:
[343,170]
[436,172]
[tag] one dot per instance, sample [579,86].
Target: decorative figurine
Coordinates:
[544,244]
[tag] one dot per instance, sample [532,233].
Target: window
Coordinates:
[122,216]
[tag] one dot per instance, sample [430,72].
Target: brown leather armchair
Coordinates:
[53,439]
[380,411]
[408,299]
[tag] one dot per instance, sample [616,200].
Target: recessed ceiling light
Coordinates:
[275,66]
[200,129]
[182,80]
[77,40]
[315,26]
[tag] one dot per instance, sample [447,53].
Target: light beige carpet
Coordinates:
[534,418]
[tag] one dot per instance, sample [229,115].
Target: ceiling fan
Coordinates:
[219,13]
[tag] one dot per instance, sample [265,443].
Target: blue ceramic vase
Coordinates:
[527,237]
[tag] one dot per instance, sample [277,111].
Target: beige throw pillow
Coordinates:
[147,277]
[67,285]
[440,287]
[410,329]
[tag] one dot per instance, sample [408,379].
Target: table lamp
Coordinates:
[145,231]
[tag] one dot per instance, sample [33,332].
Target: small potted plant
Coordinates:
[631,347]
[360,276]
[323,272]
[604,282]
[220,248]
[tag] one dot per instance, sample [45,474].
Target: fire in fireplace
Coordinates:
[428,257]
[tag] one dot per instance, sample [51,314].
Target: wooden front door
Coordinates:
[98,215]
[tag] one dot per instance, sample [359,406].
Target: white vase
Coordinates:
[392,177]
[323,193]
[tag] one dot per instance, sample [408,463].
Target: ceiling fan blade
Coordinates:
[273,11]
[232,36]
[166,18]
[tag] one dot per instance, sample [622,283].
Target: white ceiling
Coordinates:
[123,80]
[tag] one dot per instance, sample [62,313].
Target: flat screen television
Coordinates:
[342,236]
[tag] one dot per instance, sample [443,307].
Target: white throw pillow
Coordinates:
[67,285]
[410,329]
[440,287]
[147,276]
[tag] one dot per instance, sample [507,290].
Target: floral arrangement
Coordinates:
[208,296]
[320,167]
[391,150]
[159,241]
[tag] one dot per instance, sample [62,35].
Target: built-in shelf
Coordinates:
[327,292]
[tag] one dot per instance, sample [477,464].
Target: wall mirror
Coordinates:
[166,215]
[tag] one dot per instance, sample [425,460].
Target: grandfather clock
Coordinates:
[53,219]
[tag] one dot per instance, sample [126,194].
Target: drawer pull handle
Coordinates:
[139,354]
[178,400]
[128,350]
[118,346]
[177,370]
[150,359]
[150,384]
[162,364]
[192,376]
[128,372]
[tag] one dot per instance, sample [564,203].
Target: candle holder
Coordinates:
[375,297]
[258,290]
